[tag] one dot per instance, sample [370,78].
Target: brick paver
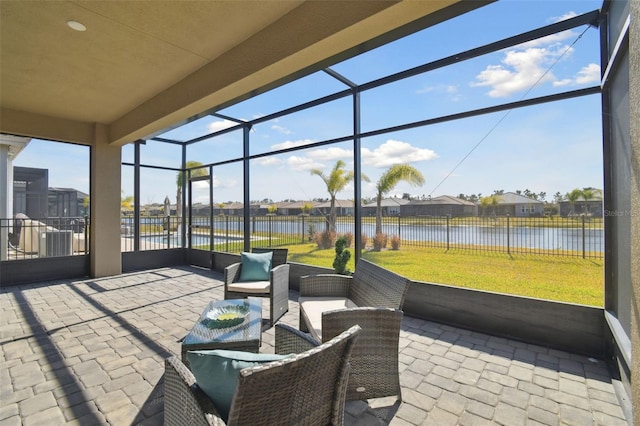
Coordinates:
[91,352]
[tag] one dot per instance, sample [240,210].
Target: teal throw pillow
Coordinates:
[216,372]
[255,266]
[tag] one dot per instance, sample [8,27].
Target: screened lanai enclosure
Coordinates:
[530,107]
[250,178]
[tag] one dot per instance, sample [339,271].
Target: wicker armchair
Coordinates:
[308,388]
[277,289]
[372,298]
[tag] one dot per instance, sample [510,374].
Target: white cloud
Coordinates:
[393,152]
[216,126]
[551,40]
[521,69]
[440,88]
[291,144]
[201,184]
[269,161]
[332,153]
[589,74]
[281,129]
[563,82]
[568,15]
[528,64]
[303,163]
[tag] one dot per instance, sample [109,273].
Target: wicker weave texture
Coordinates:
[378,287]
[306,389]
[184,402]
[374,360]
[379,294]
[278,293]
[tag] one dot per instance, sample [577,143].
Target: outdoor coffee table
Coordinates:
[246,336]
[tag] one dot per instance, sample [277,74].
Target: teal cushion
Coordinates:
[216,372]
[255,266]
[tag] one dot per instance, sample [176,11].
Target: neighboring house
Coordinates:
[443,205]
[592,207]
[343,208]
[229,209]
[389,206]
[516,205]
[294,208]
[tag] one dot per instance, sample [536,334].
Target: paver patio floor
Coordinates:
[92,352]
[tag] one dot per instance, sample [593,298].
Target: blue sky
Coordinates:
[553,148]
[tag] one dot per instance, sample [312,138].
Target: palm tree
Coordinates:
[572,197]
[490,200]
[180,180]
[336,181]
[587,194]
[389,180]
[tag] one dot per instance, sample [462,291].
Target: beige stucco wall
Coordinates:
[106,258]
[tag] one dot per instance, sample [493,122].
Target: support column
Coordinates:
[10,147]
[106,256]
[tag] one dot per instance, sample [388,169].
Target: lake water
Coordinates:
[545,238]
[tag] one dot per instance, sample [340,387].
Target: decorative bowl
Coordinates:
[225,316]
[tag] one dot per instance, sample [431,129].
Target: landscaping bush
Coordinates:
[364,240]
[395,242]
[342,256]
[325,239]
[379,241]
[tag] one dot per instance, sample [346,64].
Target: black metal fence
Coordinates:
[27,238]
[580,237]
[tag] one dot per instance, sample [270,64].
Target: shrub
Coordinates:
[325,239]
[342,256]
[364,240]
[395,242]
[379,241]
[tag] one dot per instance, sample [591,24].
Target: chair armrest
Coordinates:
[325,285]
[232,273]
[290,340]
[184,401]
[279,277]
[280,273]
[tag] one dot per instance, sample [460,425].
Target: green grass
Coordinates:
[566,279]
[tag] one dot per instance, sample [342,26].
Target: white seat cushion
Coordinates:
[313,307]
[250,287]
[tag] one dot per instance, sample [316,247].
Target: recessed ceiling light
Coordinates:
[77,26]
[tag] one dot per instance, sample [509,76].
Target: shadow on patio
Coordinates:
[92,352]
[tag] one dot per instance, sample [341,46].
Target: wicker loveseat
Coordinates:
[308,388]
[372,298]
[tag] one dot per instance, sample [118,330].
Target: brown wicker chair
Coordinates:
[277,289]
[372,298]
[308,388]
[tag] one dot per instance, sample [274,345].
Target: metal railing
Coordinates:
[580,236]
[28,238]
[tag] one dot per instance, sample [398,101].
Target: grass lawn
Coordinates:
[565,279]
